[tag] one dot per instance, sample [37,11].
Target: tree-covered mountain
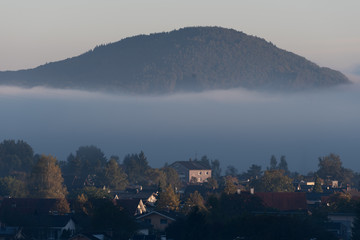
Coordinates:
[194,58]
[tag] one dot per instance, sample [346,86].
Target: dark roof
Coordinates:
[26,206]
[129,205]
[89,236]
[284,201]
[167,214]
[193,165]
[43,221]
[143,195]
[8,231]
[83,236]
[314,196]
[200,188]
[144,237]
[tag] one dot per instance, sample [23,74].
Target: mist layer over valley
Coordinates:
[238,127]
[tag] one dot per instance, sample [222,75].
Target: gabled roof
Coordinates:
[168,215]
[192,165]
[314,196]
[284,201]
[90,236]
[26,206]
[129,205]
[143,195]
[43,221]
[8,231]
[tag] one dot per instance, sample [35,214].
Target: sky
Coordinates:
[40,31]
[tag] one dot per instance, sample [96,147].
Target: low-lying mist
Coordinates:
[238,127]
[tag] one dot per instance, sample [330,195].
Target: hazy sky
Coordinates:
[39,31]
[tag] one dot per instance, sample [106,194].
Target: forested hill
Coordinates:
[194,58]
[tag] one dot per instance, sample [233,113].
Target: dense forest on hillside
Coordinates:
[194,58]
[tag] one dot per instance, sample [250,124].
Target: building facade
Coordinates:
[192,171]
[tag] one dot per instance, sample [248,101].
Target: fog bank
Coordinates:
[238,127]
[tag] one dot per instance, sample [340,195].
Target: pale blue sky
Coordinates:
[39,31]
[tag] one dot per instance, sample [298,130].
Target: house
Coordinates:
[346,221]
[7,233]
[304,186]
[159,220]
[45,226]
[284,201]
[192,171]
[315,200]
[89,236]
[133,207]
[147,197]
[27,206]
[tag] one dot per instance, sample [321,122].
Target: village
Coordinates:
[90,197]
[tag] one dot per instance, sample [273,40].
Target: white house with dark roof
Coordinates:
[159,220]
[192,171]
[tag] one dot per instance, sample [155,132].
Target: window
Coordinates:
[200,173]
[163,221]
[147,220]
[207,173]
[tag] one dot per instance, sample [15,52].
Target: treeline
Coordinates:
[278,178]
[88,167]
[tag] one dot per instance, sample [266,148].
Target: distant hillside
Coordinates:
[194,58]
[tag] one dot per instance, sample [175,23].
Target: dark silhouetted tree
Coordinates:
[216,169]
[107,217]
[15,157]
[330,167]
[172,177]
[283,165]
[254,172]
[92,160]
[273,163]
[113,176]
[274,181]
[135,166]
[318,186]
[156,177]
[231,171]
